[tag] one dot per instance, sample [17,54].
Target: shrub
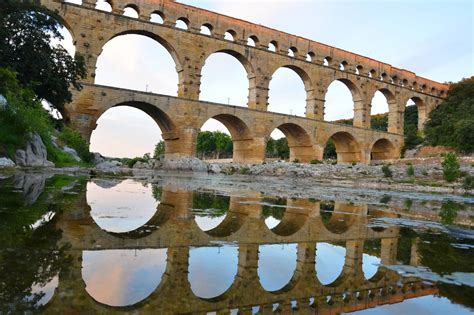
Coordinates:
[468,182]
[354,163]
[72,138]
[296,161]
[451,167]
[316,162]
[410,170]
[387,172]
[244,171]
[425,173]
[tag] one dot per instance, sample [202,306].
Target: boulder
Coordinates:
[143,165]
[5,162]
[185,164]
[108,167]
[98,158]
[72,153]
[35,153]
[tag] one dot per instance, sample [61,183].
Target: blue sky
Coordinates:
[431,38]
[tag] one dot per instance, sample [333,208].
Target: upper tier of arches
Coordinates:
[263,38]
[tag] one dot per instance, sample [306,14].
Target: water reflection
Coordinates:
[276,265]
[212,270]
[123,207]
[122,277]
[234,252]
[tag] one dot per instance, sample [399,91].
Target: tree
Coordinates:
[451,123]
[159,150]
[451,167]
[26,35]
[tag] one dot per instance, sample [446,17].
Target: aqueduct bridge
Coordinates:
[180,118]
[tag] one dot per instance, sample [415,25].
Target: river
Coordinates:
[178,243]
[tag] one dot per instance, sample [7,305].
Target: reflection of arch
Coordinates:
[299,142]
[347,148]
[106,270]
[383,149]
[341,218]
[284,284]
[294,218]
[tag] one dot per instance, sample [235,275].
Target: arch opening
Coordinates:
[330,259]
[338,217]
[115,212]
[157,17]
[383,149]
[343,147]
[310,56]
[289,141]
[231,138]
[212,270]
[230,35]
[124,57]
[371,259]
[273,46]
[104,5]
[131,11]
[252,41]
[122,277]
[182,23]
[289,90]
[340,101]
[229,87]
[380,109]
[206,29]
[292,51]
[275,277]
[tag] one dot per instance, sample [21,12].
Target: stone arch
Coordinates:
[165,123]
[159,14]
[383,149]
[421,109]
[242,136]
[286,280]
[359,111]
[299,142]
[134,7]
[348,149]
[306,80]
[338,217]
[253,41]
[171,50]
[100,5]
[392,108]
[244,62]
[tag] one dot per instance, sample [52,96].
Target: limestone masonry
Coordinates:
[180,118]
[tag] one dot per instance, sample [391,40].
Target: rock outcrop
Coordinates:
[185,164]
[6,163]
[34,155]
[72,153]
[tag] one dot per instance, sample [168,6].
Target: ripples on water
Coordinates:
[69,245]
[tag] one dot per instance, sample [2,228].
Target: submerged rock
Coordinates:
[35,153]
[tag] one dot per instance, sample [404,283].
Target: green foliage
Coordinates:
[452,122]
[412,137]
[387,172]
[451,167]
[424,173]
[468,182]
[330,150]
[22,115]
[131,162]
[159,150]
[214,144]
[277,148]
[26,34]
[73,139]
[244,171]
[296,161]
[205,204]
[316,162]
[410,170]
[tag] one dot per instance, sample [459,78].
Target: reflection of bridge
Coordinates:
[177,231]
[180,118]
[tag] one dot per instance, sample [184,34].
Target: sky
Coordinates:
[433,38]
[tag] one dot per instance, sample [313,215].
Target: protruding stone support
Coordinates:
[258,92]
[315,108]
[415,257]
[353,262]
[396,121]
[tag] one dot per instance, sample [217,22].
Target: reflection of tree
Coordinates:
[449,212]
[210,205]
[272,211]
[156,192]
[373,247]
[30,256]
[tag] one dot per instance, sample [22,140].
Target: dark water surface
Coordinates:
[70,245]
